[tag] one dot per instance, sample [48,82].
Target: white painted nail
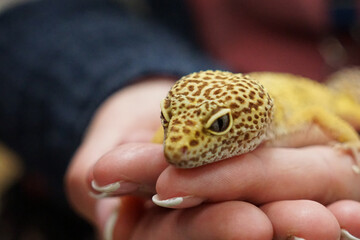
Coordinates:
[178,202]
[356,169]
[345,235]
[110,225]
[112,187]
[98,195]
[296,238]
[168,203]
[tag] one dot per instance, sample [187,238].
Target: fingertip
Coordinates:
[347,212]
[213,181]
[102,170]
[227,220]
[125,165]
[77,192]
[256,222]
[302,219]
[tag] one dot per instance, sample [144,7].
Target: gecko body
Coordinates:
[209,116]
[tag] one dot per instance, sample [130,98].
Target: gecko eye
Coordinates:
[164,121]
[220,123]
[165,118]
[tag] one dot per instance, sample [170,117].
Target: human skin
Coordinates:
[269,193]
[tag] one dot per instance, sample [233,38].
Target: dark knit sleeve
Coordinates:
[60,59]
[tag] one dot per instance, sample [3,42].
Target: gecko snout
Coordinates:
[182,151]
[177,154]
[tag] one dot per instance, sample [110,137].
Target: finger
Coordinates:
[302,219]
[106,210]
[132,167]
[347,213]
[133,111]
[115,122]
[228,220]
[76,187]
[122,220]
[264,175]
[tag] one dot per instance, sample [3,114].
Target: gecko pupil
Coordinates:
[220,124]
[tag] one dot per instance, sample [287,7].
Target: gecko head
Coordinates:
[213,115]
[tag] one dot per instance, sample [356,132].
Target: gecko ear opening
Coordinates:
[220,123]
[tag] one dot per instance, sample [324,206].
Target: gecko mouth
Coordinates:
[181,158]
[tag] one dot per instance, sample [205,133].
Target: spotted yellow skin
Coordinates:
[264,108]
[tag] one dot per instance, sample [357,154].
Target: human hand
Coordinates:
[121,131]
[267,178]
[124,125]
[123,135]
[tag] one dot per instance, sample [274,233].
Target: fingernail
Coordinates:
[110,225]
[98,195]
[356,169]
[345,235]
[106,188]
[296,238]
[178,202]
[119,187]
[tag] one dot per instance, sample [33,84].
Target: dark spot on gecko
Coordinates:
[216,92]
[189,122]
[234,105]
[240,100]
[229,87]
[184,149]
[246,137]
[174,129]
[236,115]
[175,139]
[194,143]
[186,130]
[176,121]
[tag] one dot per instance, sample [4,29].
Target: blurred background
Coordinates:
[26,213]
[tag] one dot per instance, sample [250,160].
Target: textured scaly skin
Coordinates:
[273,109]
